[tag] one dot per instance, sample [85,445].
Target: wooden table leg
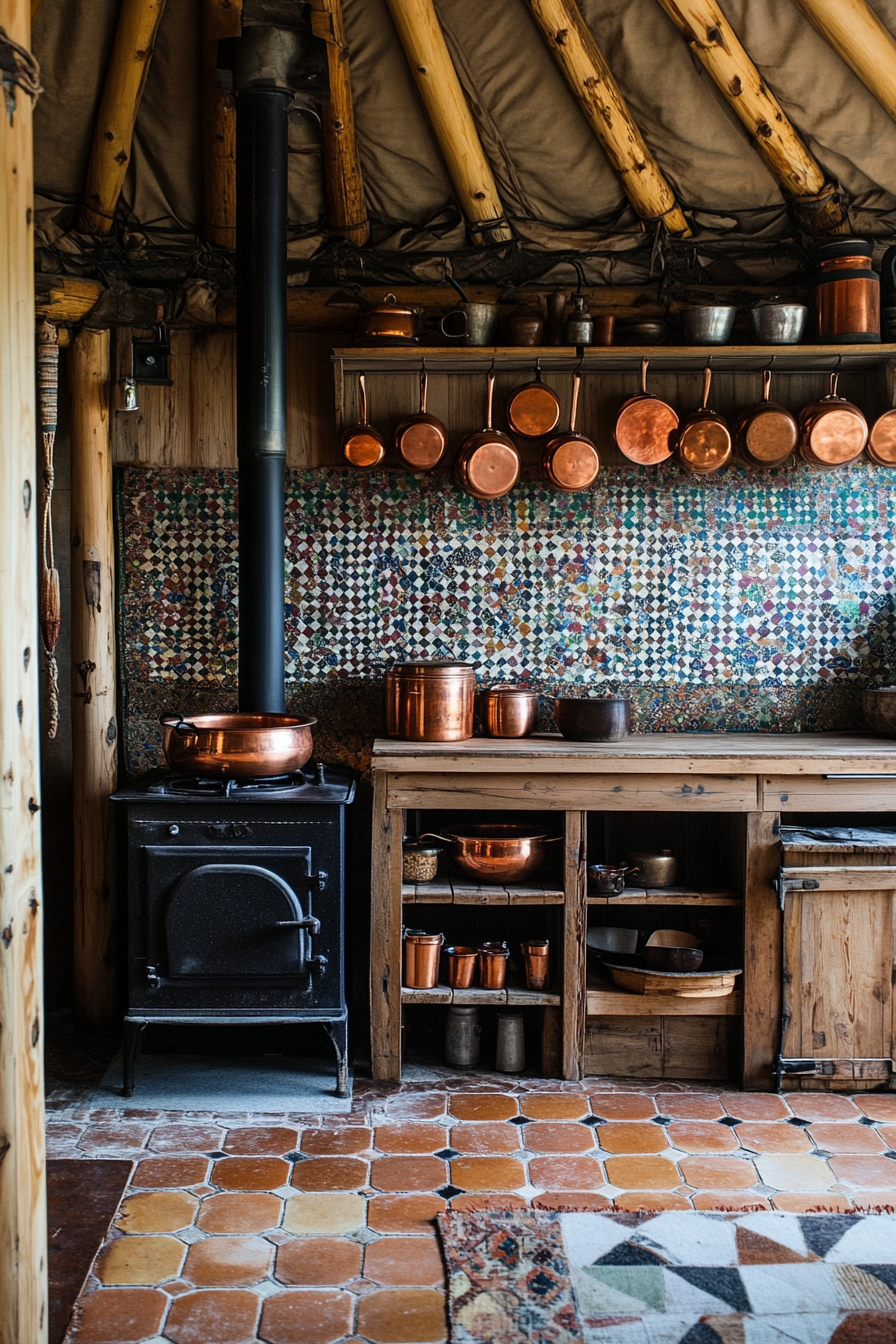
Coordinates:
[385,937]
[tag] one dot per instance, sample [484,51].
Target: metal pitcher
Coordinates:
[472,323]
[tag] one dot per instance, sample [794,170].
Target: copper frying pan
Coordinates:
[833,432]
[570,461]
[766,434]
[704,439]
[488,464]
[362,445]
[881,446]
[534,410]
[421,440]
[645,426]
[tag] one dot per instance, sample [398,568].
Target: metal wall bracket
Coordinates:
[784,883]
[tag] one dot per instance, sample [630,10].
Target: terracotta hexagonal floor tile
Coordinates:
[486,1137]
[487,1203]
[888,1134]
[408,1173]
[546,1137]
[250,1173]
[228,1262]
[722,1201]
[701,1136]
[330,1173]
[755,1106]
[342,1142]
[306,1317]
[222,1316]
[689,1105]
[156,1173]
[622,1106]
[318,1261]
[760,1137]
[240,1213]
[119,1315]
[482,1106]
[555,1106]
[874,1201]
[410,1136]
[566,1171]
[416,1106]
[140,1260]
[624,1138]
[795,1173]
[487,1173]
[403,1316]
[649,1201]
[405,1261]
[404,1213]
[842,1138]
[157,1211]
[877,1107]
[324,1215]
[719,1173]
[571,1201]
[642,1173]
[186,1139]
[822,1106]
[261,1141]
[790,1202]
[113,1136]
[869,1173]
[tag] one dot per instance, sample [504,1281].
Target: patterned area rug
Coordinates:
[671,1278]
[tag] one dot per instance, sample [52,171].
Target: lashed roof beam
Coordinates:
[716,45]
[591,80]
[857,34]
[343,181]
[218,127]
[451,119]
[138,24]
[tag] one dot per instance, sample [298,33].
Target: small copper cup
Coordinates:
[493,965]
[604,329]
[535,960]
[421,958]
[461,962]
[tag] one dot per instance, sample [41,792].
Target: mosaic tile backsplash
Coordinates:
[743,601]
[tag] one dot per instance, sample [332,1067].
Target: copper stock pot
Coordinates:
[237,746]
[430,701]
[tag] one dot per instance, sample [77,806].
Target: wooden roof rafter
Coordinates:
[856,33]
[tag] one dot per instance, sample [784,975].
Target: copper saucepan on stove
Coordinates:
[766,434]
[533,410]
[833,431]
[570,461]
[704,439]
[237,746]
[421,440]
[362,445]
[488,464]
[645,426]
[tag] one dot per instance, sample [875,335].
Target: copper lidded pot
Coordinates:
[508,711]
[237,746]
[833,432]
[847,293]
[430,701]
[421,958]
[645,426]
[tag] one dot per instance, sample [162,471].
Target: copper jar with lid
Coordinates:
[430,701]
[509,711]
[847,293]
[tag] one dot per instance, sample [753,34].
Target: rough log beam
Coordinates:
[23,1225]
[138,23]
[65,298]
[451,119]
[218,130]
[94,728]
[716,45]
[857,34]
[591,81]
[343,182]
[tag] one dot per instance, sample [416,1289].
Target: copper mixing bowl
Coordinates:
[237,746]
[497,853]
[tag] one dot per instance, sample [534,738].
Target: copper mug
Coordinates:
[421,958]
[493,965]
[535,961]
[461,963]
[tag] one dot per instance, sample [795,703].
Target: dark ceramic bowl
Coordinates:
[673,958]
[607,719]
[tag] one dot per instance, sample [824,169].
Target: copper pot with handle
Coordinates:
[421,440]
[704,439]
[833,432]
[488,464]
[881,446]
[645,426]
[571,461]
[534,410]
[237,746]
[766,434]
[362,445]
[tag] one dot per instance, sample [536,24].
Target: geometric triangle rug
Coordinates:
[670,1278]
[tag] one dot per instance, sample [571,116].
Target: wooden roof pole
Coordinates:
[716,45]
[857,34]
[218,127]
[23,1224]
[451,119]
[591,80]
[344,184]
[138,23]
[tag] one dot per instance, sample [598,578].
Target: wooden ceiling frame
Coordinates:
[219,22]
[591,80]
[857,35]
[343,179]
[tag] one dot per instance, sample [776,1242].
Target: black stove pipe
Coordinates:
[261,225]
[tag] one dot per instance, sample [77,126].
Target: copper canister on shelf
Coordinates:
[430,701]
[493,964]
[421,958]
[461,963]
[535,961]
[847,294]
[508,711]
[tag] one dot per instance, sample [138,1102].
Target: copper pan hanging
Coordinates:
[534,410]
[766,434]
[704,439]
[645,426]
[362,445]
[488,464]
[570,461]
[421,440]
[833,432]
[881,446]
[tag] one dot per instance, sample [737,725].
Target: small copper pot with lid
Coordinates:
[704,439]
[362,445]
[488,464]
[645,426]
[570,461]
[533,410]
[421,440]
[766,434]
[430,701]
[390,323]
[508,711]
[833,432]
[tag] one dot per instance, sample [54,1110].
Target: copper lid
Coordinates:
[421,443]
[882,440]
[493,467]
[434,667]
[771,436]
[574,464]
[533,411]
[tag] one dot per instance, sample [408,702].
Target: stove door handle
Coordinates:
[310,923]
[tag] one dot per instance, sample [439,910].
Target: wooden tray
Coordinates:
[681,984]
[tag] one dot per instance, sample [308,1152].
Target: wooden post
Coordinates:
[451,119]
[94,727]
[762,951]
[218,153]
[575,927]
[716,45]
[385,936]
[344,185]
[23,1222]
[857,34]
[125,78]
[591,80]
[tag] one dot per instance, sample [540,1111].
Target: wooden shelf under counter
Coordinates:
[668,896]
[510,997]
[604,999]
[466,893]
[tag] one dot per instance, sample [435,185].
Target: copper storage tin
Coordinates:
[461,963]
[493,965]
[421,440]
[535,962]
[430,702]
[645,426]
[704,439]
[237,746]
[508,711]
[766,434]
[847,293]
[570,461]
[421,958]
[833,431]
[533,410]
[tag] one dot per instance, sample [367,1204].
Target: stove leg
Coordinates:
[338,1034]
[131,1041]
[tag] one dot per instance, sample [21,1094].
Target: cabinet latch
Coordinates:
[785,882]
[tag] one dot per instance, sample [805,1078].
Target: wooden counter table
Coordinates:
[754,777]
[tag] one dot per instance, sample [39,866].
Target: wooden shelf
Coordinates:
[464,893]
[668,896]
[605,1000]
[510,997]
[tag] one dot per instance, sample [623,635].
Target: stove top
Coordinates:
[318,784]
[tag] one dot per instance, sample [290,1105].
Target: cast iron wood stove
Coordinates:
[236,909]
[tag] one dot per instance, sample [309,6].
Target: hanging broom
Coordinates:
[50,605]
